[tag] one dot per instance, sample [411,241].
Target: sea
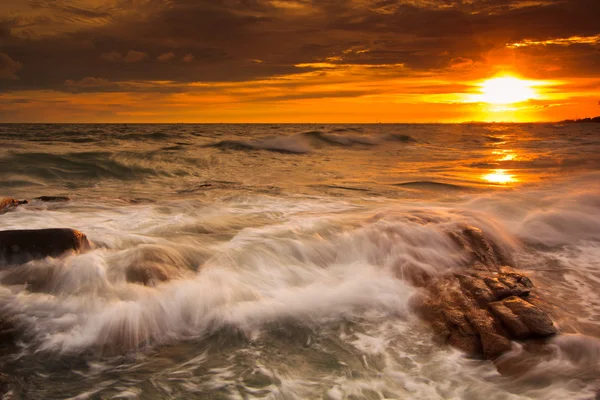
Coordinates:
[272,261]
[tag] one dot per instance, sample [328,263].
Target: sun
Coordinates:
[506,90]
[499,176]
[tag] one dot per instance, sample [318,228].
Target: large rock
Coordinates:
[21,246]
[482,311]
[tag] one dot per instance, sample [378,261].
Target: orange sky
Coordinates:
[297,60]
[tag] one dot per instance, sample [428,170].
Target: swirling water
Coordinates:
[274,261]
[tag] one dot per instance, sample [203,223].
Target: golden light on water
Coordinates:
[506,90]
[499,176]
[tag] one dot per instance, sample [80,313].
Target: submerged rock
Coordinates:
[7,386]
[21,246]
[53,199]
[484,254]
[149,274]
[7,204]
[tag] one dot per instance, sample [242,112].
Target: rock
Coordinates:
[6,386]
[470,344]
[21,246]
[515,326]
[149,274]
[502,289]
[7,204]
[481,312]
[457,321]
[53,199]
[477,287]
[538,322]
[494,345]
[7,329]
[484,254]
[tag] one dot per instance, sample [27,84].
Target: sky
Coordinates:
[337,61]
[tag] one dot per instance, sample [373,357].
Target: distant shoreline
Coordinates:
[582,120]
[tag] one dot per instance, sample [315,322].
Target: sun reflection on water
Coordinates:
[499,176]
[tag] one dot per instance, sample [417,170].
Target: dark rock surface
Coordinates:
[21,246]
[7,384]
[53,199]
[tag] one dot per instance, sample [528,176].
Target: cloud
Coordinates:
[134,56]
[88,82]
[9,67]
[112,56]
[137,45]
[590,40]
[460,62]
[166,57]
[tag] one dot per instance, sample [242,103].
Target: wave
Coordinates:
[23,167]
[340,140]
[134,290]
[347,129]
[147,136]
[397,137]
[278,144]
[291,271]
[494,139]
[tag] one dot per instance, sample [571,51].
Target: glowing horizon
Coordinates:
[295,61]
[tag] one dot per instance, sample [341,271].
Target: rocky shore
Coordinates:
[21,246]
[480,309]
[483,308]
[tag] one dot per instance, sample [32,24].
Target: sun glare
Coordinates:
[506,90]
[499,176]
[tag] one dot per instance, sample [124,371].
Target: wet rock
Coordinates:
[53,199]
[537,322]
[501,290]
[259,380]
[477,287]
[21,246]
[481,312]
[7,204]
[457,322]
[470,344]
[149,274]
[494,345]
[516,327]
[7,329]
[484,253]
[7,386]
[413,274]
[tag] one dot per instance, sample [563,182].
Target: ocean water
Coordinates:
[275,261]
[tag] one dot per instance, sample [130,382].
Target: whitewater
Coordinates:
[283,261]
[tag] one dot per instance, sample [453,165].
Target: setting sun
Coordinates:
[506,90]
[499,176]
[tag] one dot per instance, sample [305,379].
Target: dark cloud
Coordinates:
[58,41]
[8,67]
